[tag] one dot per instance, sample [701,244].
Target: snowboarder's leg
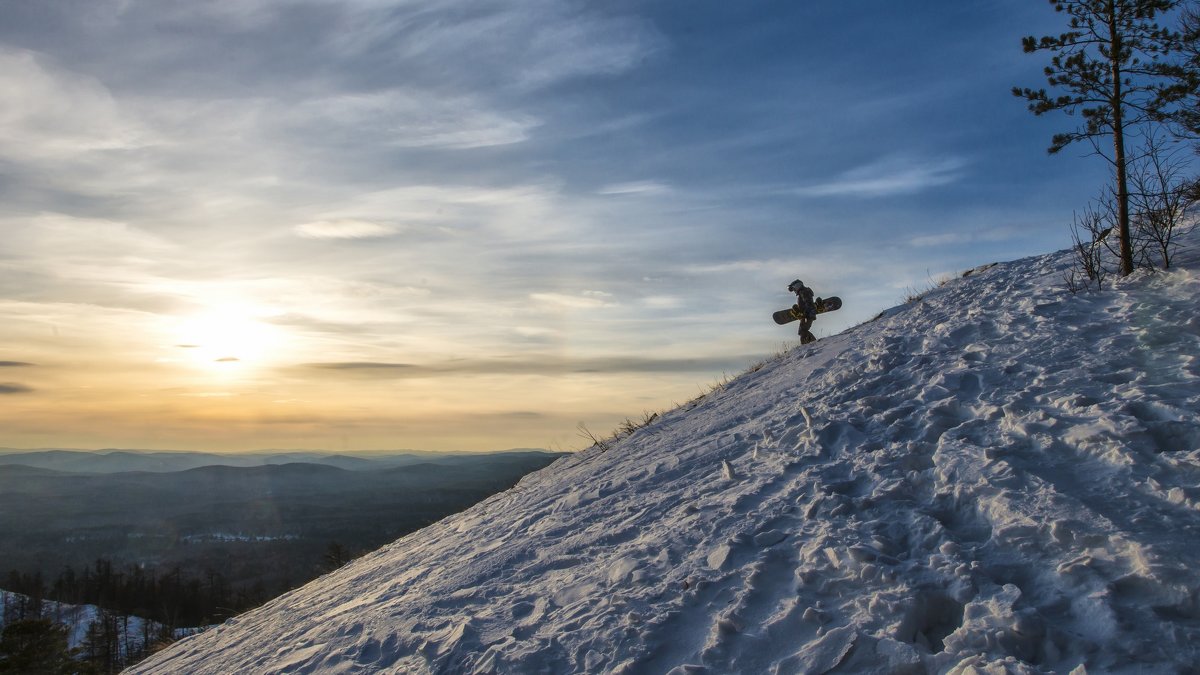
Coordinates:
[805,335]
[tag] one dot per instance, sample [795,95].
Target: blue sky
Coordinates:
[471,224]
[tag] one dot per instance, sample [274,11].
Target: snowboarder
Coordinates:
[806,310]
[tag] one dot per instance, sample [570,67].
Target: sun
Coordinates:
[226,339]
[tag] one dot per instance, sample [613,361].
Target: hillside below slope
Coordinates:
[1001,477]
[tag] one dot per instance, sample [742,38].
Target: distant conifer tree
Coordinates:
[1109,62]
[335,556]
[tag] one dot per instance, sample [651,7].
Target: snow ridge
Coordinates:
[1000,478]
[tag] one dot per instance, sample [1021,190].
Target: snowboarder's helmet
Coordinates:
[795,286]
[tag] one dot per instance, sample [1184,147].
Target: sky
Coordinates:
[474,225]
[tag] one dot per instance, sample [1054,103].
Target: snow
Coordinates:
[999,478]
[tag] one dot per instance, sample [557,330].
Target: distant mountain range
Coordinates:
[166,461]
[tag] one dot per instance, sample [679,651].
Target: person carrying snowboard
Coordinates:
[805,310]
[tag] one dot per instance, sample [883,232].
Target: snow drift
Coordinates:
[1000,477]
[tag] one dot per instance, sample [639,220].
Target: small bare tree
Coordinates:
[1164,198]
[1089,237]
[587,434]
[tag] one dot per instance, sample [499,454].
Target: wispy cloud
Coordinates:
[645,188]
[14,364]
[411,119]
[344,229]
[14,388]
[529,45]
[662,301]
[972,236]
[889,177]
[60,113]
[584,300]
[361,365]
[825,267]
[549,365]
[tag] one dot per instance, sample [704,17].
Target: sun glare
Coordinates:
[226,339]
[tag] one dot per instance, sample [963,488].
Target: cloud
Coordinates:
[640,188]
[14,364]
[536,332]
[59,113]
[944,239]
[585,300]
[476,44]
[828,267]
[360,365]
[990,235]
[14,388]
[580,45]
[442,212]
[75,239]
[520,414]
[227,359]
[662,302]
[547,366]
[316,325]
[888,177]
[410,119]
[344,229]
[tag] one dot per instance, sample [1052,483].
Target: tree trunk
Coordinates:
[1123,239]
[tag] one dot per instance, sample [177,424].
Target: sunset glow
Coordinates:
[228,339]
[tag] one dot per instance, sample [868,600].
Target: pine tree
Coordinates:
[35,646]
[102,642]
[1110,64]
[335,556]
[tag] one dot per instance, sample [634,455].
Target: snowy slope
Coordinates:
[1002,476]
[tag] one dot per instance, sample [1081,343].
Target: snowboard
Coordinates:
[823,305]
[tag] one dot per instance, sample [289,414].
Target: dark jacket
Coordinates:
[805,304]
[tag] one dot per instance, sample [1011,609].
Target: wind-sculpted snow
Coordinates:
[1002,477]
